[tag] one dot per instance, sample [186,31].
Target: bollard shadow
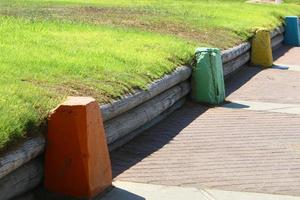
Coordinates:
[234,105]
[281,51]
[112,193]
[240,78]
[280,67]
[247,72]
[118,193]
[154,138]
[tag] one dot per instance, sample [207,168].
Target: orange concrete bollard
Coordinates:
[77,162]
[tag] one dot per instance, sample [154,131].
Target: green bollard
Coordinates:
[207,77]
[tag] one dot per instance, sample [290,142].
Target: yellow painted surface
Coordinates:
[262,49]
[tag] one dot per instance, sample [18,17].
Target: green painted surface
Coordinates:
[207,77]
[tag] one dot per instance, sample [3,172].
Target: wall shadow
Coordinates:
[112,193]
[154,138]
[281,51]
[163,133]
[240,78]
[247,72]
[118,193]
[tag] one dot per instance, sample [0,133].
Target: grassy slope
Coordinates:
[44,61]
[103,48]
[293,1]
[202,21]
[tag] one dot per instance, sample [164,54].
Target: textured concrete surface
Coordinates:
[247,150]
[218,148]
[285,67]
[138,191]
[270,85]
[262,106]
[287,56]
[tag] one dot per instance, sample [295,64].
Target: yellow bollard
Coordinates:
[261,53]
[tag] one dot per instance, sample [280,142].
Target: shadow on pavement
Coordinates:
[155,138]
[235,105]
[118,193]
[280,67]
[281,51]
[240,78]
[163,133]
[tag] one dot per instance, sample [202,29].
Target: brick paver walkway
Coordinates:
[223,148]
[271,85]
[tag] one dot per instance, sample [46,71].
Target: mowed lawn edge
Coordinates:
[42,62]
[46,56]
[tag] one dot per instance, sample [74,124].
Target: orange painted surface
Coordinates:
[77,161]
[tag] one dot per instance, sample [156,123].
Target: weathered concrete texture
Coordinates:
[219,148]
[29,196]
[234,65]
[139,191]
[25,178]
[277,42]
[269,85]
[148,125]
[287,56]
[232,53]
[130,101]
[23,153]
[135,118]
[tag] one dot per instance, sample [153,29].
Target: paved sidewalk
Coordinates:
[251,144]
[139,191]
[288,57]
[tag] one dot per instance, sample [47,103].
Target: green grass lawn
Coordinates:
[102,48]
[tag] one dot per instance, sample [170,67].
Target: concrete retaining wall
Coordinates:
[21,170]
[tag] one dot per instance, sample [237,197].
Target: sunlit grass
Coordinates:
[42,62]
[102,48]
